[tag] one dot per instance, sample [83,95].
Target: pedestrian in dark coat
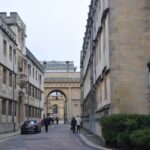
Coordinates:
[57,120]
[73,124]
[46,123]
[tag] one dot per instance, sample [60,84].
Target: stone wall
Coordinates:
[8,127]
[129,37]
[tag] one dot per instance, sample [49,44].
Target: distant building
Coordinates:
[116,51]
[61,89]
[15,79]
[8,76]
[59,66]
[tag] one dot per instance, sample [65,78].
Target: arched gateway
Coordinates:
[56,104]
[62,93]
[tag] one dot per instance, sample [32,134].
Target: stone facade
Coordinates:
[65,82]
[34,97]
[114,73]
[14,73]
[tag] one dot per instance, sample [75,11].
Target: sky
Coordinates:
[55,28]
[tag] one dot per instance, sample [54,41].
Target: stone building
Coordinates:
[13,72]
[35,88]
[59,66]
[61,89]
[116,50]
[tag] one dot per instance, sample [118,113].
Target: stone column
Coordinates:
[69,102]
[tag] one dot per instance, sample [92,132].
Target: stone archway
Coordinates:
[69,85]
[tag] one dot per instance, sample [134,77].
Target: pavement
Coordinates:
[6,136]
[87,137]
[93,140]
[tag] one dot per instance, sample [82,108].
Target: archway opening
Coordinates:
[57,106]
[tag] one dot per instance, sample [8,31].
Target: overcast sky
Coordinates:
[55,28]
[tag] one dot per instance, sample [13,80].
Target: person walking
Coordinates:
[50,120]
[57,120]
[73,124]
[46,123]
[78,119]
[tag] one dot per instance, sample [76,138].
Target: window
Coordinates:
[4,48]
[104,37]
[4,107]
[29,90]
[99,41]
[105,86]
[40,113]
[40,95]
[15,84]
[29,69]
[26,110]
[33,73]
[4,75]
[14,56]
[32,111]
[40,79]
[100,91]
[29,107]
[10,108]
[35,110]
[36,96]
[10,79]
[97,52]
[36,75]
[33,91]
[10,53]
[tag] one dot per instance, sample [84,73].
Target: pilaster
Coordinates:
[69,101]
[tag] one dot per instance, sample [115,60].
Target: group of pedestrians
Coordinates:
[76,124]
[49,120]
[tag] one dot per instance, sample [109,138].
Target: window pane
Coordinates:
[4,48]
[4,75]
[10,53]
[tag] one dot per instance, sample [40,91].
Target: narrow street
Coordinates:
[59,137]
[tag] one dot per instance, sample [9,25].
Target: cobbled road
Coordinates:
[59,137]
